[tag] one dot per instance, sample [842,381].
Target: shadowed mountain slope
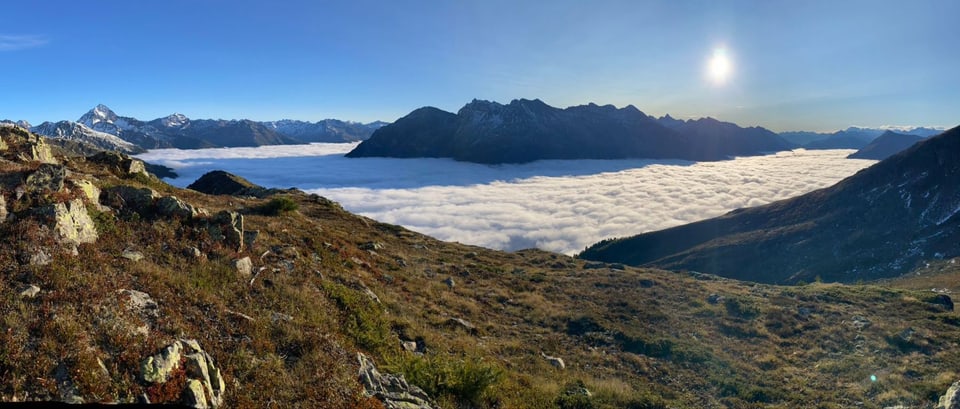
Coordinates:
[880,222]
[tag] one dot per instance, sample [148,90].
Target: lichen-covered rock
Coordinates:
[140,303]
[3,208]
[158,368]
[205,386]
[71,222]
[171,206]
[129,199]
[120,162]
[392,390]
[35,149]
[89,190]
[244,266]
[950,399]
[227,227]
[48,178]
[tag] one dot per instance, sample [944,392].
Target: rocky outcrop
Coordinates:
[205,386]
[129,199]
[227,227]
[48,178]
[392,390]
[120,163]
[171,206]
[35,149]
[71,222]
[950,399]
[89,190]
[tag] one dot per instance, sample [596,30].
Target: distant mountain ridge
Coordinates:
[851,138]
[528,130]
[130,135]
[885,146]
[880,222]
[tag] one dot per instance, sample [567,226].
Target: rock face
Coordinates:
[205,386]
[880,222]
[392,390]
[529,130]
[71,222]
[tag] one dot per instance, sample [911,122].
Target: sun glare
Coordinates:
[719,68]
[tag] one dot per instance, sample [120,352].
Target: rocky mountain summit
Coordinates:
[528,130]
[104,128]
[883,221]
[118,288]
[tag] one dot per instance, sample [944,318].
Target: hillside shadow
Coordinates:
[336,171]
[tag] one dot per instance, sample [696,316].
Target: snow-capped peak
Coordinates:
[175,120]
[99,113]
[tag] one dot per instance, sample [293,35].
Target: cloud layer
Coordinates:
[560,206]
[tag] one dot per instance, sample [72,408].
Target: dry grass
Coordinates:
[635,338]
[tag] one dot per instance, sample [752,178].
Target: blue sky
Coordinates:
[813,65]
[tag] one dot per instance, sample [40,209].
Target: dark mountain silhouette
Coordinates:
[880,222]
[886,145]
[529,130]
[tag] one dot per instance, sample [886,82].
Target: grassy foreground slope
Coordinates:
[325,284]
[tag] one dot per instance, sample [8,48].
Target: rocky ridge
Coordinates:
[528,130]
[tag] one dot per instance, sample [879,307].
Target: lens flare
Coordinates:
[719,68]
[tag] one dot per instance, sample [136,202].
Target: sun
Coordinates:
[719,68]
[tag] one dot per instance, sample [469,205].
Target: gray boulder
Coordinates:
[35,149]
[171,206]
[140,303]
[48,178]
[71,222]
[244,266]
[129,199]
[392,390]
[205,386]
[91,191]
[121,163]
[227,227]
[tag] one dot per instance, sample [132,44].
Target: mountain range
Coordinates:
[881,222]
[105,129]
[528,130]
[850,138]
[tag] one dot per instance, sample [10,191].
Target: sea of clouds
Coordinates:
[556,205]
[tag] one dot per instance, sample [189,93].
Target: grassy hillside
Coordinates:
[326,283]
